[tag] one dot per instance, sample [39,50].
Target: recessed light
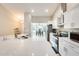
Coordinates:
[46,10]
[32,11]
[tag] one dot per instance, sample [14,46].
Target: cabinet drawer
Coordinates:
[68,49]
[73,49]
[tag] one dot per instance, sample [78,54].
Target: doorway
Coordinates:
[39,31]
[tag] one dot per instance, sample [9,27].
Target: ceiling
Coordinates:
[18,9]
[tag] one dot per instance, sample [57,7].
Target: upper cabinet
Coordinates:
[60,21]
[67,20]
[61,18]
[71,18]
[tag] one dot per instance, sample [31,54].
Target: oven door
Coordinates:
[54,42]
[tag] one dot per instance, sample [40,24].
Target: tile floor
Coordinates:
[25,47]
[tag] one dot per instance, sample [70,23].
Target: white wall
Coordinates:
[7,22]
[56,16]
[28,19]
[40,19]
[27,23]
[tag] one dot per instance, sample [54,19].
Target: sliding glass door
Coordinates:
[39,31]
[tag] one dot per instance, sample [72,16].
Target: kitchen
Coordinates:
[67,25]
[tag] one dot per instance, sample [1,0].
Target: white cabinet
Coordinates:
[71,18]
[71,49]
[62,47]
[67,20]
[60,21]
[75,17]
[66,48]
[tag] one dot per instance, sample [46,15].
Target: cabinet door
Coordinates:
[71,49]
[74,49]
[67,20]
[71,18]
[75,17]
[61,46]
[68,49]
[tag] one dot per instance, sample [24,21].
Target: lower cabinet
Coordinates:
[67,48]
[61,46]
[73,49]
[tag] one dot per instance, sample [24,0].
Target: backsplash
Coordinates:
[70,29]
